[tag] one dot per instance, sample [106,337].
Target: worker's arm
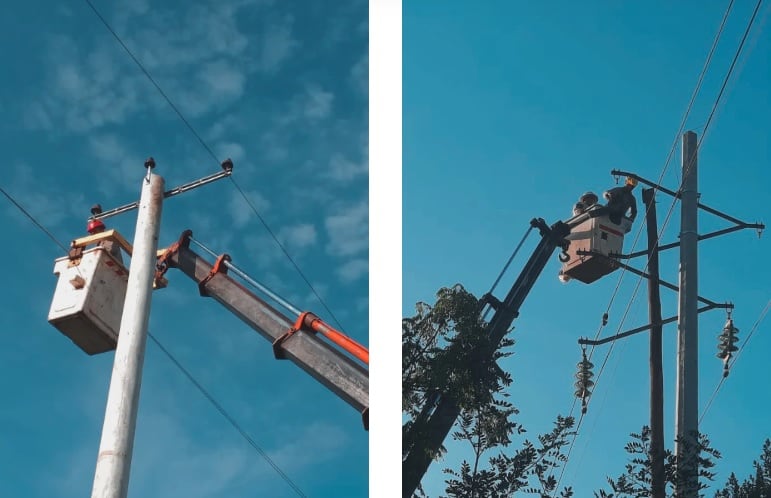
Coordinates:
[633,208]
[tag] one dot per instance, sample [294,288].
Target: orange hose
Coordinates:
[341,340]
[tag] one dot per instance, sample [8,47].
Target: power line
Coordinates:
[152,80]
[731,68]
[283,249]
[176,362]
[227,416]
[214,156]
[666,165]
[33,220]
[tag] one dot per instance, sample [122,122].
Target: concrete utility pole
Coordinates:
[114,461]
[658,477]
[687,419]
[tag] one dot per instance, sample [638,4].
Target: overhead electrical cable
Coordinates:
[179,365]
[682,126]
[216,160]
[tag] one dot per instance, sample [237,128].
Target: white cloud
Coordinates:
[298,236]
[240,210]
[232,150]
[223,79]
[277,45]
[344,170]
[318,103]
[360,75]
[201,468]
[200,59]
[348,230]
[353,270]
[119,167]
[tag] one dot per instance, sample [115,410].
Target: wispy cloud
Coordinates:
[202,59]
[360,75]
[277,45]
[172,459]
[353,270]
[348,230]
[318,103]
[298,237]
[241,212]
[42,199]
[344,170]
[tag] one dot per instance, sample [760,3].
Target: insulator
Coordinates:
[583,393]
[728,338]
[583,376]
[585,364]
[726,345]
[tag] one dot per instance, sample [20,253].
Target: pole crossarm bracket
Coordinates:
[645,275]
[717,233]
[677,195]
[227,170]
[599,342]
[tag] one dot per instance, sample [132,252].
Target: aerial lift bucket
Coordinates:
[88,300]
[590,241]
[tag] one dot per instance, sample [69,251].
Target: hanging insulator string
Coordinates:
[727,343]
[583,380]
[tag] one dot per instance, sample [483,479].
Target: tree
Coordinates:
[636,481]
[755,486]
[446,349]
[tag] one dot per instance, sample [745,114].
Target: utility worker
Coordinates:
[620,200]
[587,200]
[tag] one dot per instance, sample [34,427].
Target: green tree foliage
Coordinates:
[635,482]
[446,349]
[757,485]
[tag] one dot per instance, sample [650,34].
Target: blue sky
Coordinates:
[511,111]
[282,90]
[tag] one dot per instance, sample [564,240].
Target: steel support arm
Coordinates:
[676,195]
[717,233]
[337,372]
[598,342]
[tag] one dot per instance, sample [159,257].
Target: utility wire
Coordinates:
[688,166]
[152,80]
[227,417]
[216,160]
[286,253]
[735,359]
[33,220]
[171,357]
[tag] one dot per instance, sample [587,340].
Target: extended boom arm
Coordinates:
[440,412]
[339,373]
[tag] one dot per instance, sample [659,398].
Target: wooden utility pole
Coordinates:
[658,478]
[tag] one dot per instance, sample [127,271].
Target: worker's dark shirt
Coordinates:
[621,200]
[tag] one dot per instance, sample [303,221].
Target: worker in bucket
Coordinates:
[621,200]
[587,200]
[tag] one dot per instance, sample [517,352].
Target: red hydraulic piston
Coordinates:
[317,325]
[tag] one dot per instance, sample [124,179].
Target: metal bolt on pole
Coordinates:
[117,444]
[687,418]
